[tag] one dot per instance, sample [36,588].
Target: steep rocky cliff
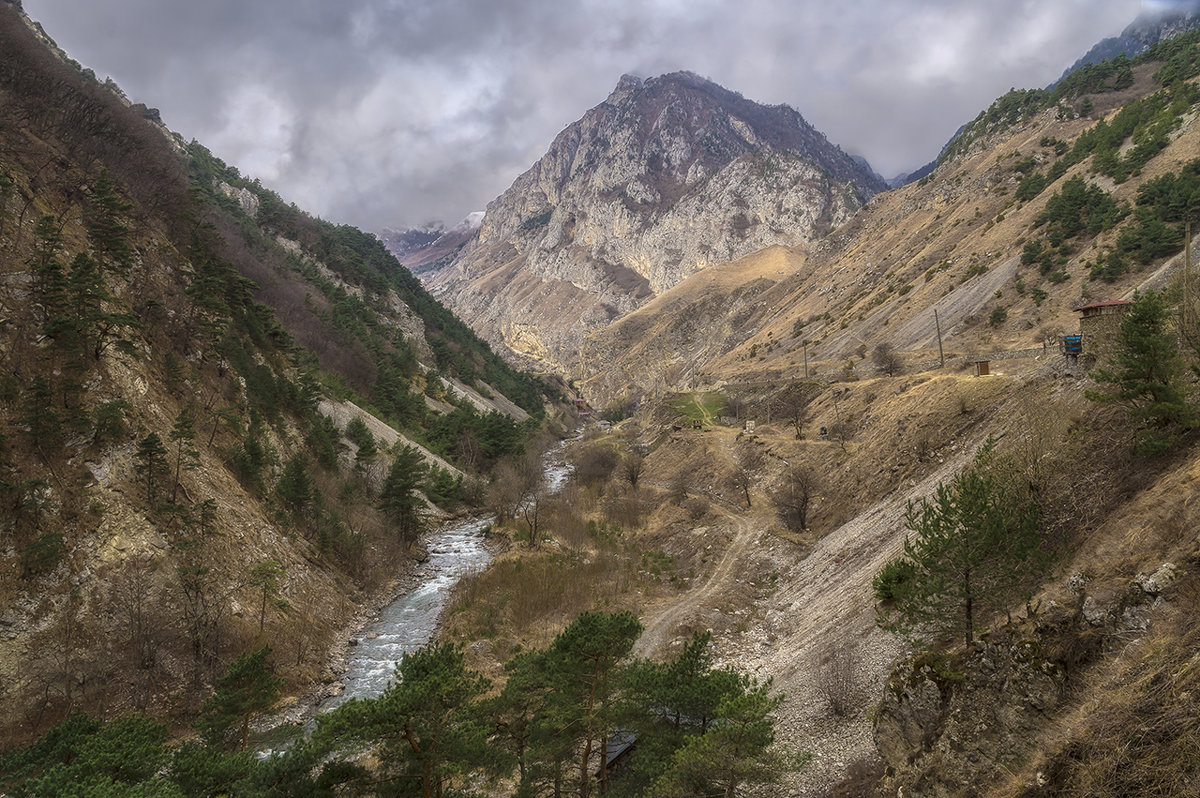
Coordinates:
[664,178]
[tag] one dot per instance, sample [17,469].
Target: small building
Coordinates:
[1072,348]
[983,368]
[1099,326]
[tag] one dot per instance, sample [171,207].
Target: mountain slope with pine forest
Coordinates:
[171,491]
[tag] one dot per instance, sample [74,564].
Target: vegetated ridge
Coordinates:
[192,370]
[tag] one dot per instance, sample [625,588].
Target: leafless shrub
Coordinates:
[594,465]
[747,465]
[631,469]
[697,507]
[677,491]
[887,359]
[861,780]
[503,495]
[837,679]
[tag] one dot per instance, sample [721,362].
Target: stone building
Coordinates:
[1099,326]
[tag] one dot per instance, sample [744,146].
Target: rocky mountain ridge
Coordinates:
[664,178]
[1147,30]
[954,244]
[426,248]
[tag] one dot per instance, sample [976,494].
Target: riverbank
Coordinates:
[298,709]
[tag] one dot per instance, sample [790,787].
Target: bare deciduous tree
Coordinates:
[504,493]
[887,359]
[837,680]
[631,469]
[595,464]
[747,462]
[793,496]
[792,403]
[134,604]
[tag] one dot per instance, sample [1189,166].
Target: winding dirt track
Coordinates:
[659,630]
[825,599]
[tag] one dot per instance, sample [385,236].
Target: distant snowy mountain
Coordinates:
[431,245]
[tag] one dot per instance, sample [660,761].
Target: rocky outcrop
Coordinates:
[665,178]
[952,725]
[246,199]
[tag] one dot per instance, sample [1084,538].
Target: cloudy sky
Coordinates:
[397,112]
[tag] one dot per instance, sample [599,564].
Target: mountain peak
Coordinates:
[667,176]
[626,86]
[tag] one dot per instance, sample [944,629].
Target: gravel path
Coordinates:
[659,631]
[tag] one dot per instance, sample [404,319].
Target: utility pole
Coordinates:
[937,322]
[1187,275]
[805,358]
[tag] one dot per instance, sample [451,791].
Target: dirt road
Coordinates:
[660,628]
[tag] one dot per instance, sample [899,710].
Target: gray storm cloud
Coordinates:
[388,112]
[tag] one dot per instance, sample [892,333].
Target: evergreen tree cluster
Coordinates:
[1079,209]
[360,259]
[1164,204]
[1145,376]
[1070,96]
[439,730]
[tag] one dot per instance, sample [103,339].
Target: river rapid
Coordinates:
[411,620]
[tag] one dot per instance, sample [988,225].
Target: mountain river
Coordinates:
[411,621]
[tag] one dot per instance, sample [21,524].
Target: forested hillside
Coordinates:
[171,493]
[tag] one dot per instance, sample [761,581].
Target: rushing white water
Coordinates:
[411,620]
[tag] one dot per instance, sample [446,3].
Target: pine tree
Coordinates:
[398,500]
[246,689]
[108,234]
[360,436]
[737,751]
[583,660]
[95,326]
[40,418]
[295,490]
[150,462]
[1146,374]
[49,278]
[667,704]
[265,576]
[975,549]
[187,457]
[425,728]
[206,517]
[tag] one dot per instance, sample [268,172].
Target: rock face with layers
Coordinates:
[664,178]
